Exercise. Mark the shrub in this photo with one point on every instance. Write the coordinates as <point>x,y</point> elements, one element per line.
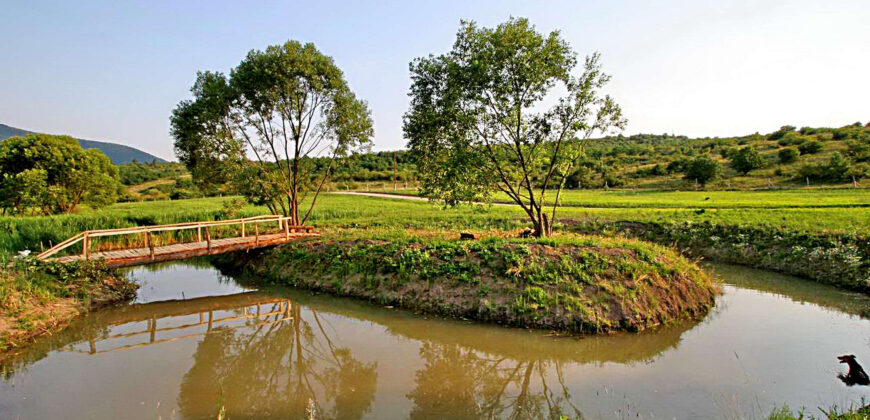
<point>776,135</point>
<point>810,147</point>
<point>838,168</point>
<point>788,155</point>
<point>747,159</point>
<point>703,169</point>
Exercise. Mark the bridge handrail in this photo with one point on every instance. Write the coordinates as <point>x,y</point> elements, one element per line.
<point>86,235</point>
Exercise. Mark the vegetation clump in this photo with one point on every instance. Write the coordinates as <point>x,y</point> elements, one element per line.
<point>581,285</point>
<point>45,174</point>
<point>37,298</point>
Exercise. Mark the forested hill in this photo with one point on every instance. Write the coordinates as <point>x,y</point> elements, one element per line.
<point>118,153</point>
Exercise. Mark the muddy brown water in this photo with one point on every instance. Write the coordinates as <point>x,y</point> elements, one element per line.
<point>197,344</point>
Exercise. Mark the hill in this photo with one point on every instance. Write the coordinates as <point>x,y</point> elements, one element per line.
<point>118,153</point>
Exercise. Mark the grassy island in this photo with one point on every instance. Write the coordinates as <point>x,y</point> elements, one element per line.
<point>577,284</point>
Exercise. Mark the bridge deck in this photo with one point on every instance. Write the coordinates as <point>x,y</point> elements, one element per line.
<point>136,256</point>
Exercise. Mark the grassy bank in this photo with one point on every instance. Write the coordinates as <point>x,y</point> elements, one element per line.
<point>38,298</point>
<point>581,284</point>
<point>782,233</point>
<point>839,259</point>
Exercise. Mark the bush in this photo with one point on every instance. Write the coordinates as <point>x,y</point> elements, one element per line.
<point>658,170</point>
<point>747,159</point>
<point>776,135</point>
<point>788,155</point>
<point>703,169</point>
<point>837,169</point>
<point>810,147</point>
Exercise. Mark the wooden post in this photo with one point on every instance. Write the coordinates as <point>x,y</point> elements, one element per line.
<point>150,244</point>
<point>86,245</point>
<point>286,230</point>
<point>208,239</point>
<point>243,228</point>
<point>256,234</point>
<point>153,328</point>
<point>198,233</point>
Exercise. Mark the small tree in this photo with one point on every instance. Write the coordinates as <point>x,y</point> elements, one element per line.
<point>477,124</point>
<point>54,174</point>
<point>747,159</point>
<point>788,155</point>
<point>810,147</point>
<point>261,127</point>
<point>703,169</point>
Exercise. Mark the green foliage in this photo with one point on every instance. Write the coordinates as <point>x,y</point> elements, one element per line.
<point>137,173</point>
<point>574,284</point>
<point>474,125</point>
<point>838,168</point>
<point>782,132</point>
<point>810,147</point>
<point>53,174</point>
<point>747,159</point>
<point>703,169</point>
<point>788,155</point>
<point>257,128</point>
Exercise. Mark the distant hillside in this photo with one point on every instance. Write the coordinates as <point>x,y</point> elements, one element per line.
<point>118,153</point>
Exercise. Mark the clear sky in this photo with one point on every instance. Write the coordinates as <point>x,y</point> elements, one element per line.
<point>114,70</point>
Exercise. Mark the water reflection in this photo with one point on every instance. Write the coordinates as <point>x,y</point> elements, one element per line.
<point>456,382</point>
<point>290,368</point>
<point>287,354</point>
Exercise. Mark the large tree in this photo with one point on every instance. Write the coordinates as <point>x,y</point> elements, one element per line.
<point>260,127</point>
<point>505,110</point>
<point>51,174</point>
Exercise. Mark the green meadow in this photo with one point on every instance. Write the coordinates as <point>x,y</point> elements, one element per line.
<point>837,211</point>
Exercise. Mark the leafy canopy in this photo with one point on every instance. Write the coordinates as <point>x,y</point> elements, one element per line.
<point>504,110</point>
<point>259,128</point>
<point>52,174</point>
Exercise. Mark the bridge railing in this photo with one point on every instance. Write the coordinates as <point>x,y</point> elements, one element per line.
<point>203,232</point>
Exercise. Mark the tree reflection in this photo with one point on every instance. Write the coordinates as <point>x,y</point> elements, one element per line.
<point>459,383</point>
<point>285,366</point>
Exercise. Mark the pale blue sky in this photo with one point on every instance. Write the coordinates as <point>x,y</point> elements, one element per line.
<point>114,70</point>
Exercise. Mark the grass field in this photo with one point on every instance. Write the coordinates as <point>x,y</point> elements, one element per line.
<point>782,210</point>
<point>619,198</point>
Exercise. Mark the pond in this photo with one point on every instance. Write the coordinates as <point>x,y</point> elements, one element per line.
<point>198,344</point>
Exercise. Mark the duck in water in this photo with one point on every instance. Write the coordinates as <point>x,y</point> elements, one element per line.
<point>856,374</point>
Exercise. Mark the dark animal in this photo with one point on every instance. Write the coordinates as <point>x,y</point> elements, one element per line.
<point>700,211</point>
<point>706,199</point>
<point>468,236</point>
<point>526,233</point>
<point>856,374</point>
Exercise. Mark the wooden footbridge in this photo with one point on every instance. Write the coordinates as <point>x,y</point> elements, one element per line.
<point>146,244</point>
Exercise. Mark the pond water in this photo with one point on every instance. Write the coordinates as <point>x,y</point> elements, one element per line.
<point>219,347</point>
